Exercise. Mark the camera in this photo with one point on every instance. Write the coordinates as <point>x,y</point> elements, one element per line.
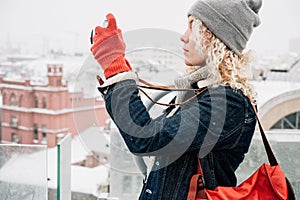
<point>104,25</point>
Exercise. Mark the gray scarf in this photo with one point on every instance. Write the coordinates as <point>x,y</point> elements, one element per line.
<point>201,76</point>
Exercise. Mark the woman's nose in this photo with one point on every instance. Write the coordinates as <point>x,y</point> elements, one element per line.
<point>184,38</point>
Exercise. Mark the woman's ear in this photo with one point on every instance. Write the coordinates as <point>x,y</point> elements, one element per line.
<point>207,34</point>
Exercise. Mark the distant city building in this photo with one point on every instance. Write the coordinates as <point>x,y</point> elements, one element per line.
<point>279,93</point>
<point>126,180</point>
<point>43,113</point>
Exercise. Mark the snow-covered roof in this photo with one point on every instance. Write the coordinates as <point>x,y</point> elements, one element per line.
<point>87,180</point>
<point>281,135</point>
<point>70,64</point>
<point>24,168</point>
<point>37,69</point>
<point>83,179</point>
<point>270,89</point>
<point>92,139</point>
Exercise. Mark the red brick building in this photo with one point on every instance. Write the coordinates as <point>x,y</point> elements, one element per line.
<point>42,114</point>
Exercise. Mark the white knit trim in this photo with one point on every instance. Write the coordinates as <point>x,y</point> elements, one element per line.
<point>120,77</point>
<point>206,82</point>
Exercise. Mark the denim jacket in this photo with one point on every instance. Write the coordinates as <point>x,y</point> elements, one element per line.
<point>216,126</point>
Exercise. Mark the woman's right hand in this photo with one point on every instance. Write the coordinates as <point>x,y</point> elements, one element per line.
<point>109,48</point>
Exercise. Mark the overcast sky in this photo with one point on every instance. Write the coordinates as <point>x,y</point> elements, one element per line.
<point>66,24</point>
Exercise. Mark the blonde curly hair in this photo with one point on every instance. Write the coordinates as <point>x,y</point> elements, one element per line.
<point>226,67</point>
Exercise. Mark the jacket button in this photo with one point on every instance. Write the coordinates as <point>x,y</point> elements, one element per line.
<point>157,163</point>
<point>149,191</point>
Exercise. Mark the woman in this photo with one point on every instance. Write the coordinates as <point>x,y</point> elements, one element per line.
<point>214,120</point>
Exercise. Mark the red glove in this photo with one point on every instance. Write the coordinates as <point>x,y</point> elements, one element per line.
<point>109,48</point>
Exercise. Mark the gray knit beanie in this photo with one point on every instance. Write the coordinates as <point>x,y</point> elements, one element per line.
<point>232,21</point>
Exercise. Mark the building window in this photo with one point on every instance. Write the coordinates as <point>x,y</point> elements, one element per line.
<point>44,103</point>
<point>44,134</point>
<point>4,98</point>
<point>14,121</point>
<point>35,132</point>
<point>36,103</point>
<point>291,121</point>
<point>103,188</point>
<point>127,184</point>
<point>138,182</point>
<point>14,138</point>
<point>13,100</point>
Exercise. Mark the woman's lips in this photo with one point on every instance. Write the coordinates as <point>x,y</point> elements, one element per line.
<point>185,51</point>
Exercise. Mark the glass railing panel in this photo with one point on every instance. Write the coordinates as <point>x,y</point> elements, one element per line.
<point>23,172</point>
<point>64,168</point>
